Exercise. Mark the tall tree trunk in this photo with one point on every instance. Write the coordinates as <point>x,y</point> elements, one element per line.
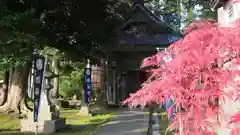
<point>4,89</point>
<point>10,77</point>
<point>190,14</point>
<point>6,79</point>
<point>17,92</point>
<point>55,90</point>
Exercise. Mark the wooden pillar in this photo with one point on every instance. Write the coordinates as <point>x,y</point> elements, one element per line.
<point>101,68</point>
<point>114,86</point>
<point>107,77</point>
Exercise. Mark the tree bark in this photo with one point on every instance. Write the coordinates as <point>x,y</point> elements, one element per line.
<point>4,89</point>
<point>10,77</point>
<point>17,92</point>
<point>55,90</point>
<point>6,80</point>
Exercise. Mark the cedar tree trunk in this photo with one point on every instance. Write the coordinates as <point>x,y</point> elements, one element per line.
<point>55,90</point>
<point>17,92</point>
<point>4,89</point>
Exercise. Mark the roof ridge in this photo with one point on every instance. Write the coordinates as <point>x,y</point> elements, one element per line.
<point>154,16</point>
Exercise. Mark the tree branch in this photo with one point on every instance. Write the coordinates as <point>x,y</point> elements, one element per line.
<point>53,76</point>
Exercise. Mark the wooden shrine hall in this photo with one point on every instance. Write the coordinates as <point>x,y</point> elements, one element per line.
<point>139,37</point>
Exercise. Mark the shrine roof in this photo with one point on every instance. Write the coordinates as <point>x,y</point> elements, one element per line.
<point>145,28</point>
<point>149,14</point>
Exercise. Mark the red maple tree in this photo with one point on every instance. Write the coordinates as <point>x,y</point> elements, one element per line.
<point>203,63</point>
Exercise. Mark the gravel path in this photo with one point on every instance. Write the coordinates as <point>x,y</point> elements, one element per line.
<point>127,122</point>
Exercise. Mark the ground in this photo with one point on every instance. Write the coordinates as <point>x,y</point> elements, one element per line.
<point>127,122</point>
<point>77,125</point>
<point>122,121</point>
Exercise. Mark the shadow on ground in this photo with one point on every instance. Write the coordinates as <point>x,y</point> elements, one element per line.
<point>86,129</point>
<point>127,122</point>
<point>76,125</point>
<point>123,122</point>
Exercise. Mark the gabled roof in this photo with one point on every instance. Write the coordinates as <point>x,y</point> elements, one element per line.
<point>156,31</point>
<point>148,13</point>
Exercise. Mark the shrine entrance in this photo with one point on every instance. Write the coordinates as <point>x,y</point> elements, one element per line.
<point>124,74</point>
<point>143,34</point>
<point>123,83</point>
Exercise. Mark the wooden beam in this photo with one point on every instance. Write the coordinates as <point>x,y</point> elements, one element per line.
<point>129,48</point>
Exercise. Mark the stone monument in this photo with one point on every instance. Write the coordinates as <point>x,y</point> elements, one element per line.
<point>74,102</point>
<point>48,118</point>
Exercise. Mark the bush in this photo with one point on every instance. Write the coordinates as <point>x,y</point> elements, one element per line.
<point>71,84</point>
<point>68,93</point>
<point>67,88</point>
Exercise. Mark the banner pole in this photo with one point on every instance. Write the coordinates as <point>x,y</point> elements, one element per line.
<point>40,63</point>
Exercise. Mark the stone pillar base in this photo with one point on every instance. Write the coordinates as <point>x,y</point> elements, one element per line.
<point>46,126</point>
<point>84,111</point>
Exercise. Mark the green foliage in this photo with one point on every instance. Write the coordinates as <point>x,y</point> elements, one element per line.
<point>1,74</point>
<point>180,13</point>
<point>17,45</point>
<point>70,72</point>
<point>52,52</point>
<point>72,26</point>
<point>71,84</point>
<point>79,27</point>
<point>78,125</point>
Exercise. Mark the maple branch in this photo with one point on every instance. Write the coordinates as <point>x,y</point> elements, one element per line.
<point>228,60</point>
<point>220,65</point>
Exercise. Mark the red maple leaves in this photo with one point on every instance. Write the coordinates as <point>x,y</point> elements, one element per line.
<point>203,63</point>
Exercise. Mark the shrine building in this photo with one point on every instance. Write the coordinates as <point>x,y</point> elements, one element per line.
<point>144,33</point>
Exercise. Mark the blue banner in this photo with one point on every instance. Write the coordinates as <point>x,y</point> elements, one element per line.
<point>39,67</point>
<point>167,105</point>
<point>87,84</point>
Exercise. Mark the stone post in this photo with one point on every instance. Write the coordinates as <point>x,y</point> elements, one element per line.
<point>48,118</point>
<point>84,106</point>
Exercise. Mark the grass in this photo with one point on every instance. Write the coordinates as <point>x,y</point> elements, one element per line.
<point>76,125</point>
<point>163,122</point>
